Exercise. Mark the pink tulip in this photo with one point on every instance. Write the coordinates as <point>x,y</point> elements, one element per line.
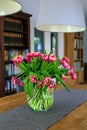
<point>33,79</point>
<point>71,70</point>
<point>52,85</point>
<point>52,58</point>
<point>39,83</point>
<point>47,81</point>
<point>65,65</point>
<point>15,80</point>
<point>36,54</point>
<point>18,59</point>
<point>15,64</point>
<point>21,83</point>
<point>73,75</point>
<point>32,55</point>
<point>45,57</point>
<point>64,78</point>
<point>28,59</point>
<point>66,59</point>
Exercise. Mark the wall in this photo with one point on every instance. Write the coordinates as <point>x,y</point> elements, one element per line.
<point>61,45</point>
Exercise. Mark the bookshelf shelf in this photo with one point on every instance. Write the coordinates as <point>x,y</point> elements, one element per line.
<point>14,31</point>
<point>78,60</point>
<point>8,47</point>
<point>78,52</point>
<point>78,37</point>
<point>9,76</point>
<point>8,61</point>
<point>10,92</point>
<point>78,48</point>
<point>14,40</point>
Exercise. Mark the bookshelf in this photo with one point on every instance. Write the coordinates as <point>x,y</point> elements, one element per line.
<point>74,49</point>
<point>78,51</point>
<point>14,40</point>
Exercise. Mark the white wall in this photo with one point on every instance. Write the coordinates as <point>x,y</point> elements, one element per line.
<point>47,41</point>
<point>61,45</point>
<point>32,25</point>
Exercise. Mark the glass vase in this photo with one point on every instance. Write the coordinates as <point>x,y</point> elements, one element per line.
<point>41,100</point>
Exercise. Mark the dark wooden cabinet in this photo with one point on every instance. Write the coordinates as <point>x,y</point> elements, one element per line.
<point>14,39</point>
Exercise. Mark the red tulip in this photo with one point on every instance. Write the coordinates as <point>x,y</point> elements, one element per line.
<point>52,58</point>
<point>33,79</point>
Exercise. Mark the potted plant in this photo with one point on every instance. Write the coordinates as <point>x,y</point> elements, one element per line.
<point>41,74</point>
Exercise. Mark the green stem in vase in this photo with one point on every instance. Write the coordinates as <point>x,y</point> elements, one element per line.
<point>41,100</point>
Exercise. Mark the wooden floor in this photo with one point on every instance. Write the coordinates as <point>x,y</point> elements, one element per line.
<point>76,120</point>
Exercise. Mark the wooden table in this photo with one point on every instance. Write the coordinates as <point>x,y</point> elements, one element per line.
<point>76,120</point>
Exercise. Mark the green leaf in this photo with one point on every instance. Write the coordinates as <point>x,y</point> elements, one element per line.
<point>33,65</point>
<point>63,71</point>
<point>38,63</point>
<point>26,79</point>
<point>62,82</point>
<point>27,65</point>
<point>44,52</point>
<point>44,64</point>
<point>44,73</point>
<point>51,68</point>
<point>28,87</point>
<point>49,65</point>
<point>22,67</point>
<point>40,76</point>
<point>22,74</point>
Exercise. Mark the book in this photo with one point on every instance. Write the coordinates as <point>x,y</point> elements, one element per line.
<point>5,55</point>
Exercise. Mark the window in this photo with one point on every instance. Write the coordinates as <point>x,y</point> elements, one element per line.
<point>38,40</point>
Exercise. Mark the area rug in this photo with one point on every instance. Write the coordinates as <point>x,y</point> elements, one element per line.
<point>23,118</point>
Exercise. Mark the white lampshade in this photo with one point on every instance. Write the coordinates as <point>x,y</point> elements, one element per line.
<point>61,16</point>
<point>8,7</point>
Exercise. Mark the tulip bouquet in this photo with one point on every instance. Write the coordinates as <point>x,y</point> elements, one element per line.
<point>41,73</point>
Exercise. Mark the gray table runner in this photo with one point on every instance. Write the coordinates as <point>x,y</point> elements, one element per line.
<point>23,118</point>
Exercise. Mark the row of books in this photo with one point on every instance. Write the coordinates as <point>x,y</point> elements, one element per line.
<point>9,54</point>
<point>13,23</point>
<point>10,87</point>
<point>78,43</point>
<point>77,66</point>
<point>78,34</point>
<point>10,70</point>
<point>13,39</point>
<point>78,54</point>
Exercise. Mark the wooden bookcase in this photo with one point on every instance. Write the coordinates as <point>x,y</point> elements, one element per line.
<point>78,51</point>
<point>14,40</point>
<point>74,49</point>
